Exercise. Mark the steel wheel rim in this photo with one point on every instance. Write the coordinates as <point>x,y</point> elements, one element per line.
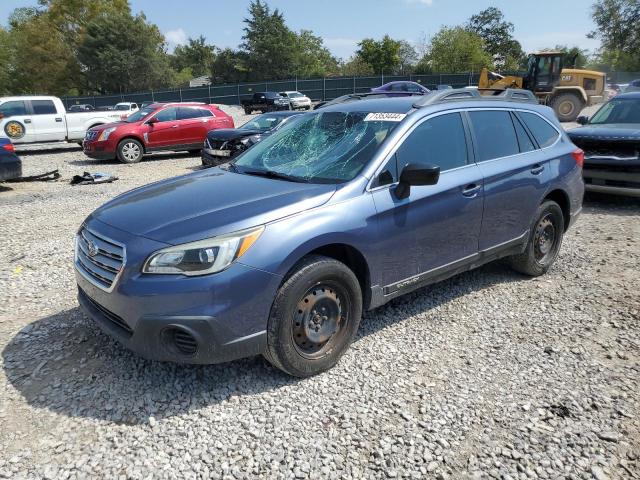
<point>130,151</point>
<point>320,319</point>
<point>566,108</point>
<point>545,238</point>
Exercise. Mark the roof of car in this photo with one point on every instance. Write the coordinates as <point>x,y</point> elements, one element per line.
<point>628,95</point>
<point>386,105</point>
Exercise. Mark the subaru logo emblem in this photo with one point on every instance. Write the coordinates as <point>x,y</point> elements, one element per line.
<point>92,248</point>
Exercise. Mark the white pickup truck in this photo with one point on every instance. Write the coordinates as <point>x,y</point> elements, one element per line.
<point>38,119</point>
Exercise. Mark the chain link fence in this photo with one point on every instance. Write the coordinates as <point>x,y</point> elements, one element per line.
<point>318,89</point>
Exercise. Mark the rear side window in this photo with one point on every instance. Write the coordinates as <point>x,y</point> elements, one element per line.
<point>544,133</point>
<point>187,113</point>
<point>17,107</point>
<point>438,141</point>
<point>526,145</point>
<point>495,134</point>
<point>43,107</point>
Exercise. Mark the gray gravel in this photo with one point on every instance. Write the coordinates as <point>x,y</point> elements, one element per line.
<point>486,375</point>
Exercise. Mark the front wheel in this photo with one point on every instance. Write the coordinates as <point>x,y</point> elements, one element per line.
<point>314,317</point>
<point>130,151</point>
<point>544,242</point>
<point>567,106</point>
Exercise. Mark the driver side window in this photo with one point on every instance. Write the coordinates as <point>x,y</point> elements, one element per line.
<point>166,115</point>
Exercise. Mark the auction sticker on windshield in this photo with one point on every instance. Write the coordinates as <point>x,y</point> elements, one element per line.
<point>384,117</point>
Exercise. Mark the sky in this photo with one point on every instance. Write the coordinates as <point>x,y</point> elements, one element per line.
<point>343,23</point>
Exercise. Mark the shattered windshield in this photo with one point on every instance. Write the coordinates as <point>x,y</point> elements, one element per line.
<point>262,122</point>
<point>326,147</point>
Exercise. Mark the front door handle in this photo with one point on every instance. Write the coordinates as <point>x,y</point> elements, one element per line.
<point>27,120</point>
<point>537,169</point>
<point>471,190</point>
<point>58,119</point>
<point>174,126</point>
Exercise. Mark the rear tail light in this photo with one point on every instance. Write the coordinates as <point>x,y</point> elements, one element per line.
<point>9,147</point>
<point>578,156</point>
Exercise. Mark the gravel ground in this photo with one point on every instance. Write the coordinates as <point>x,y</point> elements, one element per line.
<point>486,375</point>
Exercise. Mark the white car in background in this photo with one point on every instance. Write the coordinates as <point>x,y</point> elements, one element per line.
<point>126,108</point>
<point>297,100</point>
<point>40,119</point>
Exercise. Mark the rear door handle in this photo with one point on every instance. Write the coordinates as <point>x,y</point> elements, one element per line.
<point>471,190</point>
<point>174,126</point>
<point>537,169</point>
<point>58,119</point>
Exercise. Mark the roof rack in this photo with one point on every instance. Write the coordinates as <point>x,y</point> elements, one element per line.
<point>507,95</point>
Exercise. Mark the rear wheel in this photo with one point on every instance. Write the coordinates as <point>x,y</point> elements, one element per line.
<point>130,151</point>
<point>567,106</point>
<point>544,242</point>
<point>314,317</point>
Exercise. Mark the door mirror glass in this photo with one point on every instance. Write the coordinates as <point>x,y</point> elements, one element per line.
<point>583,120</point>
<point>416,174</point>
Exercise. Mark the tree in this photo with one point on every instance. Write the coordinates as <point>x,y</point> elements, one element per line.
<point>617,27</point>
<point>196,55</point>
<point>6,62</point>
<point>230,66</point>
<point>356,66</point>
<point>455,49</point>
<point>408,57</point>
<point>312,59</point>
<point>41,60</point>
<point>122,53</point>
<point>497,35</point>
<point>382,56</point>
<point>267,42</point>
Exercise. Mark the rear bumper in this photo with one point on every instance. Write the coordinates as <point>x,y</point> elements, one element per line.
<point>10,169</point>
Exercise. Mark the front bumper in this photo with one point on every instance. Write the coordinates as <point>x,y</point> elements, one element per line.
<point>98,150</point>
<point>612,177</point>
<point>210,160</point>
<point>223,315</point>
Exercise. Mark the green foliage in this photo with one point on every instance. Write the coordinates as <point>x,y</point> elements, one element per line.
<point>382,56</point>
<point>580,55</point>
<point>312,59</point>
<point>6,62</point>
<point>196,56</point>
<point>497,34</point>
<point>121,53</point>
<point>230,66</point>
<point>617,27</point>
<point>455,50</point>
<point>356,66</point>
<point>408,57</point>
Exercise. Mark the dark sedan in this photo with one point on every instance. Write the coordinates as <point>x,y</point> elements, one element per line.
<point>10,164</point>
<point>401,88</point>
<point>611,142</point>
<point>226,143</point>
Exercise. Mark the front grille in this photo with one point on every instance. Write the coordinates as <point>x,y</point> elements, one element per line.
<point>110,316</point>
<point>99,259</point>
<point>609,149</point>
<point>91,135</point>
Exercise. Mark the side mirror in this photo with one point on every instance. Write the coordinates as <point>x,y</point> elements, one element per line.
<point>414,174</point>
<point>152,120</point>
<point>582,120</point>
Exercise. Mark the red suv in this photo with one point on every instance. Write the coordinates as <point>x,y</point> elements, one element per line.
<point>159,126</point>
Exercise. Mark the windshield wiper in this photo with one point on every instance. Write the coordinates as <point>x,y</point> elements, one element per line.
<point>273,174</point>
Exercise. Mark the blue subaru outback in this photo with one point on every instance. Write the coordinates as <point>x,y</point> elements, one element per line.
<point>343,209</point>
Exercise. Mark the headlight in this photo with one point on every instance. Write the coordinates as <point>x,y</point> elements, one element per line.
<point>105,134</point>
<point>248,141</point>
<point>204,256</point>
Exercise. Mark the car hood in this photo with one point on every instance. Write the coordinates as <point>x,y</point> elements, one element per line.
<point>208,203</point>
<point>232,133</point>
<point>609,132</point>
<point>104,126</point>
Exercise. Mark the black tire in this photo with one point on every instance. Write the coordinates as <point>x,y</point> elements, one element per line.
<point>130,150</point>
<point>300,340</point>
<point>195,152</point>
<point>567,106</point>
<point>247,111</point>
<point>545,240</point>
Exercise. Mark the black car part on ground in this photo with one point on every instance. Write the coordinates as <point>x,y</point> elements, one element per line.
<point>41,177</point>
<point>88,178</point>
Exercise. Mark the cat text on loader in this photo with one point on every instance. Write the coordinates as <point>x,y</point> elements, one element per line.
<point>566,90</point>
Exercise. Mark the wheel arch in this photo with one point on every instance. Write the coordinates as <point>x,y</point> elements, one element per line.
<point>132,137</point>
<point>562,199</point>
<point>345,253</point>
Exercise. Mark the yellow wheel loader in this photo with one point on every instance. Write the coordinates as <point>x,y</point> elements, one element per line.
<point>566,90</point>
